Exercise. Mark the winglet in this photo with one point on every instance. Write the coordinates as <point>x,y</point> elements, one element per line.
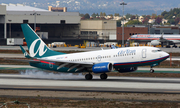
<point>113,47</point>
<point>25,52</point>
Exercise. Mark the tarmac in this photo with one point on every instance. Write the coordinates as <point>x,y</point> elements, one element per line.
<point>140,69</point>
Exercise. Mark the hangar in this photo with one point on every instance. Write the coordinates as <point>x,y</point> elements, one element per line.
<point>100,29</point>
<point>55,25</point>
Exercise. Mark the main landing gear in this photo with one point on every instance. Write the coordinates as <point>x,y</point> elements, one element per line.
<point>102,76</point>
<point>88,76</point>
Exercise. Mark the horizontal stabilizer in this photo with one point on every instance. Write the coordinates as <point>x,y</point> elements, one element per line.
<point>25,52</point>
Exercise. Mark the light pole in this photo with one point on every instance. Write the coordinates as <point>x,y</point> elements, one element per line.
<point>34,20</point>
<point>123,24</point>
<point>105,30</point>
<point>9,28</point>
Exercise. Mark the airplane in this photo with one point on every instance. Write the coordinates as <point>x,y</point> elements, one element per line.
<point>158,39</point>
<point>125,59</point>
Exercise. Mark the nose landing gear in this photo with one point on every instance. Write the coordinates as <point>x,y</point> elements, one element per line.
<point>152,70</point>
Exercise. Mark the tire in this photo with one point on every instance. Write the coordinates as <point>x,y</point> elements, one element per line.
<point>103,76</point>
<point>167,46</point>
<point>152,70</point>
<point>88,76</point>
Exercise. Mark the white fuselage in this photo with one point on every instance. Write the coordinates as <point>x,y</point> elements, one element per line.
<point>150,37</point>
<point>119,55</point>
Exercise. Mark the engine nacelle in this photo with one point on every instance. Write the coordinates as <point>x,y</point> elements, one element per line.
<point>130,69</point>
<point>102,67</point>
<point>155,42</point>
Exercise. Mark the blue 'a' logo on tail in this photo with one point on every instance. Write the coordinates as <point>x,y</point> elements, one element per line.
<point>37,48</point>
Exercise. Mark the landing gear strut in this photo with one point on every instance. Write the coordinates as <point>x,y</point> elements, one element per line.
<point>174,45</point>
<point>162,44</point>
<point>168,46</point>
<point>88,76</point>
<point>103,76</point>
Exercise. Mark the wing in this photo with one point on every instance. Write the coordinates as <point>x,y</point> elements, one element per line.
<point>162,39</point>
<point>175,41</point>
<point>170,41</point>
<point>80,66</point>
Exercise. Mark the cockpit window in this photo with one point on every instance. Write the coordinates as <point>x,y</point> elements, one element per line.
<point>156,50</point>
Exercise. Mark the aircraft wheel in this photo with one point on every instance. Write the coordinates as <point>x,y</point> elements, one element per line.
<point>152,70</point>
<point>88,76</point>
<point>103,76</point>
<point>167,46</point>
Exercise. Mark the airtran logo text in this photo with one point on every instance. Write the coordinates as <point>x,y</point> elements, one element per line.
<point>99,67</point>
<point>126,52</point>
<point>40,48</point>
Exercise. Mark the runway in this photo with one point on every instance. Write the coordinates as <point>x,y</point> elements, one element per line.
<point>140,69</point>
<point>78,83</point>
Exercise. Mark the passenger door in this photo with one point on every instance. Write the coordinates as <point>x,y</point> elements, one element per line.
<point>144,51</point>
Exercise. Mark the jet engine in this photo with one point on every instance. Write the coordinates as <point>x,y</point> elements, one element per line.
<point>102,67</point>
<point>155,42</point>
<point>130,69</point>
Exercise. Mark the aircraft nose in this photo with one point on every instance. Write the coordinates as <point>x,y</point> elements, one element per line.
<point>165,54</point>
